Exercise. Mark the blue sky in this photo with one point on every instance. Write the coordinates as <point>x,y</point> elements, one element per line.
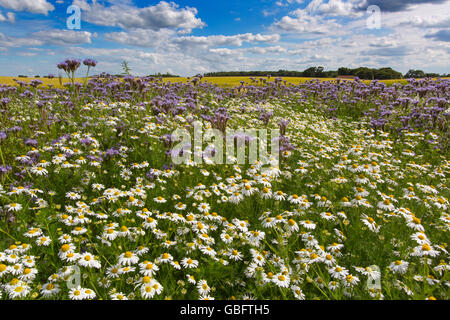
<point>197,36</point>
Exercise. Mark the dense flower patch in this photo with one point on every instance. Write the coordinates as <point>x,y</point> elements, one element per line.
<point>92,207</point>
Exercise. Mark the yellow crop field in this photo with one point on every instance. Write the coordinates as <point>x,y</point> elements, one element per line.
<point>221,81</point>
<point>54,82</point>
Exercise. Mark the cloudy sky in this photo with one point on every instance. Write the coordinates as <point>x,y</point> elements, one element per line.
<point>197,36</point>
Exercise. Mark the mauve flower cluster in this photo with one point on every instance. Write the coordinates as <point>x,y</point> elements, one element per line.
<point>417,106</point>
<point>69,65</point>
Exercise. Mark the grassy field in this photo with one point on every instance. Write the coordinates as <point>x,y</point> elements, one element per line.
<point>99,198</point>
<point>222,81</point>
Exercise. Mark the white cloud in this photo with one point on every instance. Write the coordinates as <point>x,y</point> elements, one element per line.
<point>222,51</point>
<point>160,16</point>
<point>7,41</point>
<point>141,37</point>
<point>427,21</point>
<point>27,54</point>
<point>303,22</point>
<point>221,40</point>
<point>10,17</point>
<point>266,50</point>
<point>64,37</point>
<point>33,6</point>
<point>333,8</point>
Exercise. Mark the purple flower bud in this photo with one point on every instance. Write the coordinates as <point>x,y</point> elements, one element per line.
<point>90,62</point>
<point>31,142</point>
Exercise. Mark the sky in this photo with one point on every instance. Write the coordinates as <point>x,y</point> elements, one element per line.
<point>198,36</point>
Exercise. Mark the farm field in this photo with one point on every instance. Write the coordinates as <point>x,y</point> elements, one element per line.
<point>221,81</point>
<point>350,201</point>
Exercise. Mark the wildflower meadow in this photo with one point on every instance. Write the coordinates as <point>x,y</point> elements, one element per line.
<point>345,195</point>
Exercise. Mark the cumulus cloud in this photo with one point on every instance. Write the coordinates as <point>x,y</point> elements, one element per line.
<point>333,8</point>
<point>8,41</point>
<point>354,8</point>
<point>384,42</point>
<point>427,21</point>
<point>266,50</point>
<point>63,37</point>
<point>222,51</point>
<point>160,16</point>
<point>300,21</point>
<point>33,6</point>
<point>141,37</point>
<point>10,17</point>
<point>395,5</point>
<point>221,40</point>
<point>388,51</point>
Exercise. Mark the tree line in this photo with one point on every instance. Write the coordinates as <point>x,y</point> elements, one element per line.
<point>319,72</point>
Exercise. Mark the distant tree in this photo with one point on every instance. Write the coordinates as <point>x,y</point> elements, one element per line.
<point>387,73</point>
<point>415,74</point>
<point>345,72</point>
<point>364,73</point>
<point>310,72</point>
<point>316,72</point>
<point>319,71</point>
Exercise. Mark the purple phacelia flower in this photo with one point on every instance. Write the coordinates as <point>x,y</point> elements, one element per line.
<point>90,62</point>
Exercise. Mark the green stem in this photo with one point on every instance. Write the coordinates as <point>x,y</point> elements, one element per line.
<point>1,230</point>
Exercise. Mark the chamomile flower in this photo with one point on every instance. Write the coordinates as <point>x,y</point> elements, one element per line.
<point>43,241</point>
<point>298,293</point>
<point>19,290</point>
<point>28,274</point>
<point>350,280</point>
<point>202,287</point>
<point>49,290</point>
<point>370,223</point>
<point>4,269</point>
<point>338,272</point>
<point>77,293</point>
<point>113,272</point>
<point>234,254</point>
<point>89,261</point>
<point>118,296</point>
<point>159,199</point>
<point>165,257</point>
<point>89,294</point>
<point>282,280</point>
<point>128,258</point>
<point>151,289</point>
<point>295,199</point>
<point>292,225</point>
<point>13,207</point>
<point>39,171</point>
